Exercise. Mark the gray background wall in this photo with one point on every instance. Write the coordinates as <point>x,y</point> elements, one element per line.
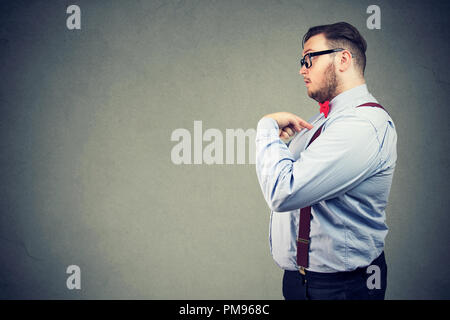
<point>87,115</point>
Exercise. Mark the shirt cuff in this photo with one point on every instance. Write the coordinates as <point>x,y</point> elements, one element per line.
<point>267,127</point>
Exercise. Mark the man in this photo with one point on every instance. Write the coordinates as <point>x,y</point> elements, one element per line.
<point>329,186</point>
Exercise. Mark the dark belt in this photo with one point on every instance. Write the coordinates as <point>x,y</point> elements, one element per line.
<point>343,274</point>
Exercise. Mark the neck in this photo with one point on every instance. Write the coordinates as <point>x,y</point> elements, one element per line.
<point>348,84</point>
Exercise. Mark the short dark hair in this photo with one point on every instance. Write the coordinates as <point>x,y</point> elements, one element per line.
<point>342,35</point>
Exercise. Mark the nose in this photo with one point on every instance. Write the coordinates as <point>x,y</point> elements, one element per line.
<point>302,70</point>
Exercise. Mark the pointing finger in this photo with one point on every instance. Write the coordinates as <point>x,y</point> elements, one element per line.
<point>304,123</point>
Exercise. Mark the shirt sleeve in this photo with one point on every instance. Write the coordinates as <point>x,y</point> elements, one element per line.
<point>344,155</point>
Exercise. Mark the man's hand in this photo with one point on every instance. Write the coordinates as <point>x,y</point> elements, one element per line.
<point>288,123</point>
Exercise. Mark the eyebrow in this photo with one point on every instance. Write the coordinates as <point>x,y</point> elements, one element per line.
<point>307,51</point>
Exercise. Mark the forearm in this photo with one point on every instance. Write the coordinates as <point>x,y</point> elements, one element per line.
<point>273,162</point>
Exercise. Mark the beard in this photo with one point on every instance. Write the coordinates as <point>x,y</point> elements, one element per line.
<point>328,90</point>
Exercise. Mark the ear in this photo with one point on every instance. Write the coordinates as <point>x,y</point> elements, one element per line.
<point>345,60</point>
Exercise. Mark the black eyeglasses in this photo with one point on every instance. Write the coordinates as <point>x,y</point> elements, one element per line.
<point>307,61</point>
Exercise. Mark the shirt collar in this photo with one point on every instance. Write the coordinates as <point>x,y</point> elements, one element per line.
<point>347,98</point>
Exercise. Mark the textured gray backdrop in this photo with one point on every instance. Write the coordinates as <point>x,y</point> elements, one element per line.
<point>87,115</point>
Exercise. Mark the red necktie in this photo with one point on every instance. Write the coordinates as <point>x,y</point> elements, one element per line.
<point>325,108</point>
<point>304,224</point>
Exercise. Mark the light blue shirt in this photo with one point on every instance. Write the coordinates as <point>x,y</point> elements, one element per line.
<point>345,175</point>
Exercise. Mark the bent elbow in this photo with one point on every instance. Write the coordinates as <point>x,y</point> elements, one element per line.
<point>279,205</point>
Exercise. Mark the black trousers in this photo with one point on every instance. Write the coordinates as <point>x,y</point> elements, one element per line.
<point>368,283</point>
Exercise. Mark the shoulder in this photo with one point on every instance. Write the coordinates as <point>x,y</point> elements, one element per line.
<point>378,117</point>
<point>361,123</point>
<point>349,125</point>
<point>374,115</point>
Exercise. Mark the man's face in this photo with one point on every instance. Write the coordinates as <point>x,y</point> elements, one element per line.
<point>320,78</point>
